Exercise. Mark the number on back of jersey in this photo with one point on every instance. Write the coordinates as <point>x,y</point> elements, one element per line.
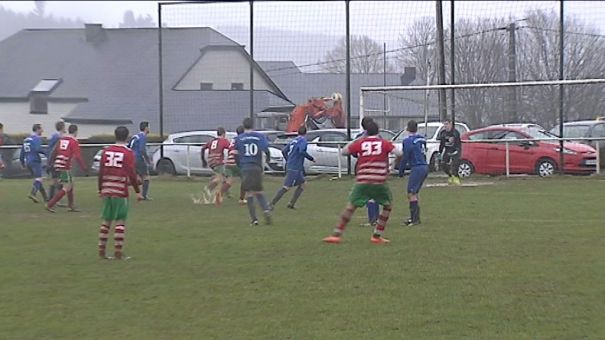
<point>371,148</point>
<point>114,159</point>
<point>251,150</point>
<point>63,144</point>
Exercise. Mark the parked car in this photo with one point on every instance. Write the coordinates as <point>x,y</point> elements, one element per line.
<point>96,160</point>
<point>525,157</point>
<point>431,131</point>
<point>271,134</point>
<point>13,167</point>
<point>323,146</point>
<point>585,129</point>
<point>175,155</point>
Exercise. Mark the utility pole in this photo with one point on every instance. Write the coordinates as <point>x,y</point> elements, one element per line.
<point>512,72</point>
<point>384,83</point>
<point>441,66</point>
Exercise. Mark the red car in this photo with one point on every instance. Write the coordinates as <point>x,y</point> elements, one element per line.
<point>525,157</point>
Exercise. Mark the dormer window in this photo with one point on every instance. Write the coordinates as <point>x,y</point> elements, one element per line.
<point>38,96</point>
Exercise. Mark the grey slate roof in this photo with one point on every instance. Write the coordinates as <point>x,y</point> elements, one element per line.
<point>299,87</point>
<point>118,75</point>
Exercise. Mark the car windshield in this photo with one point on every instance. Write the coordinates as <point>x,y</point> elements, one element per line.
<point>285,138</point>
<point>536,132</point>
<point>574,131</point>
<point>429,133</point>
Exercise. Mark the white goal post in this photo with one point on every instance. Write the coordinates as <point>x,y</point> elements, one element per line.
<point>385,90</point>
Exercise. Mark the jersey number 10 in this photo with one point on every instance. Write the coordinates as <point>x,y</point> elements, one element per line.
<point>251,149</point>
<point>114,159</point>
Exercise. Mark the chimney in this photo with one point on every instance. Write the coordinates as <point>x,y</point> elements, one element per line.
<point>94,33</point>
<point>408,76</point>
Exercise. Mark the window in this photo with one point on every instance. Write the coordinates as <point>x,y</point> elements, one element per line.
<point>461,128</point>
<point>194,139</point>
<point>206,86</point>
<point>46,85</point>
<point>479,136</point>
<point>513,135</point>
<point>237,86</point>
<point>332,137</point>
<point>575,131</point>
<point>598,130</point>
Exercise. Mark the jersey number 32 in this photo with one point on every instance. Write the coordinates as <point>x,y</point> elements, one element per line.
<point>114,159</point>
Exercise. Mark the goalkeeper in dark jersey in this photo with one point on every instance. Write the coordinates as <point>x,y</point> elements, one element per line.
<point>450,150</point>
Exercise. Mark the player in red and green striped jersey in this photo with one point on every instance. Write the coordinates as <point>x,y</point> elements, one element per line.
<point>117,171</point>
<point>372,173</point>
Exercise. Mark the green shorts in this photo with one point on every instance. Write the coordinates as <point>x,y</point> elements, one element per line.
<point>64,177</point>
<point>362,193</point>
<point>219,170</point>
<point>232,171</point>
<point>114,209</point>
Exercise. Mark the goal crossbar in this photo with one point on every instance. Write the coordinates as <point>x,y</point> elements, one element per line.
<point>485,85</point>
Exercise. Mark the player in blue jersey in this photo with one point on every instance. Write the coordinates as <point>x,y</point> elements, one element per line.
<point>373,207</point>
<point>250,147</point>
<point>295,154</point>
<point>414,147</point>
<point>138,145</point>
<point>52,142</point>
<point>30,158</point>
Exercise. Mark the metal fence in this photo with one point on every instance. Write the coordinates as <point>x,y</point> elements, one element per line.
<point>186,160</point>
<point>222,61</point>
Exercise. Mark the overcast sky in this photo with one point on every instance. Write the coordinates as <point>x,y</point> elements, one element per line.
<point>383,21</point>
<point>110,12</point>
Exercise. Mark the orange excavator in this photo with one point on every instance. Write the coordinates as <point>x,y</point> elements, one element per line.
<point>318,113</point>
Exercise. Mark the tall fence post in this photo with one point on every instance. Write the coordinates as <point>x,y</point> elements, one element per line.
<point>339,162</point>
<point>507,160</point>
<point>598,147</point>
<point>188,161</point>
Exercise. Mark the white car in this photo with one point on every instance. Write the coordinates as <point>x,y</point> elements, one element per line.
<point>323,146</point>
<point>431,131</point>
<point>175,156</point>
<point>182,151</point>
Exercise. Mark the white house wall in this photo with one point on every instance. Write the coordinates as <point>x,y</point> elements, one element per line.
<point>222,68</point>
<point>17,119</point>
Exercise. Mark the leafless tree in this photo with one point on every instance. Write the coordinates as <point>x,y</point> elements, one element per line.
<point>130,21</point>
<point>366,57</point>
<point>538,59</point>
<point>417,48</point>
<point>40,7</point>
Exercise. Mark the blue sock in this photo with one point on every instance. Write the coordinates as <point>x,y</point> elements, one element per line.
<point>145,188</point>
<point>373,211</point>
<point>36,187</point>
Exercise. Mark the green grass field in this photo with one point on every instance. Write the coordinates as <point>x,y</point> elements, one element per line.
<point>520,259</point>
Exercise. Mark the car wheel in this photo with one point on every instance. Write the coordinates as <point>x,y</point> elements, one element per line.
<point>545,167</point>
<point>465,169</point>
<point>165,167</point>
<point>434,163</point>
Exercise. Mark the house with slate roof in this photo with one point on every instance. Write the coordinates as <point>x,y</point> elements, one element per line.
<point>99,78</point>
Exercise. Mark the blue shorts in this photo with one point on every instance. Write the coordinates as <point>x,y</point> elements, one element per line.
<point>294,178</point>
<point>35,169</point>
<point>417,177</point>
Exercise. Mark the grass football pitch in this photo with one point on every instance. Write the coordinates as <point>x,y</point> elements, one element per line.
<point>519,259</point>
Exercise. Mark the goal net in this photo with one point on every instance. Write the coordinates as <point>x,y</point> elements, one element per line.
<point>480,105</point>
